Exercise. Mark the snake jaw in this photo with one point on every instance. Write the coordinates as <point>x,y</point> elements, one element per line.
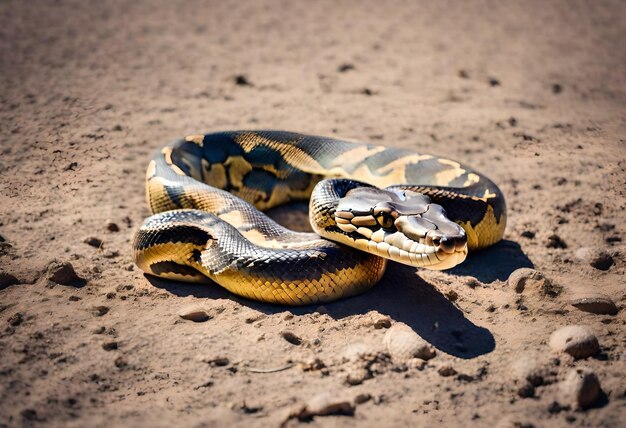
<point>402,226</point>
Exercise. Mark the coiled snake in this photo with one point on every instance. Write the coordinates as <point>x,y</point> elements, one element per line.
<point>206,192</point>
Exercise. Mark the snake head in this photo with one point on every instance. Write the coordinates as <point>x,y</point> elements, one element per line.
<point>403,226</point>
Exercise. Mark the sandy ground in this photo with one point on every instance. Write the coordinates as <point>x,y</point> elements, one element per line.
<point>532,93</point>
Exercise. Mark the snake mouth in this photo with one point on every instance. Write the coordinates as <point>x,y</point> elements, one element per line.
<point>405,227</point>
<point>430,252</point>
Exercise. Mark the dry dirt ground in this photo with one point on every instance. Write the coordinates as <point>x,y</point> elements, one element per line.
<point>532,93</point>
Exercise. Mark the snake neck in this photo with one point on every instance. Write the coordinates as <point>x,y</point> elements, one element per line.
<point>188,245</point>
<point>324,200</point>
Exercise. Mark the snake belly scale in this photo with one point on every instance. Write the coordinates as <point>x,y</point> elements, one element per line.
<point>367,204</point>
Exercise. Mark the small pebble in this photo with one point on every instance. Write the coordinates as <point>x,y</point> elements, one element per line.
<point>109,346</point>
<point>99,330</point>
<point>219,361</point>
<point>362,398</point>
<point>555,241</point>
<point>452,295</point>
<point>325,404</point>
<point>93,241</point>
<point>595,257</point>
<point>246,408</point>
<point>403,343</point>
<point>6,280</point>
<point>207,384</point>
<point>376,320</point>
<point>526,279</point>
<point>473,283</point>
<point>111,226</point>
<point>111,254</point>
<point>581,388</point>
<point>291,337</point>
<point>446,371</point>
<point>357,375</point>
<point>194,313</point>
<point>416,364</point>
<point>312,364</point>
<point>63,273</point>
<point>30,414</point>
<point>242,80</point>
<point>70,166</point>
<point>100,311</point>
<point>526,390</point>
<point>602,261</point>
<point>255,317</point>
<point>595,303</point>
<point>16,319</point>
<point>120,362</point>
<point>345,67</point>
<point>575,340</point>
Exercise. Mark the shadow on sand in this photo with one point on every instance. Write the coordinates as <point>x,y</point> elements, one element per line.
<point>401,294</point>
<point>495,263</point>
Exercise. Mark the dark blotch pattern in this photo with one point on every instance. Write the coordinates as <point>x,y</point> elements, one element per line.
<point>160,268</point>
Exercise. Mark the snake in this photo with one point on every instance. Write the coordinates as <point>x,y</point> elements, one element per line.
<point>368,205</point>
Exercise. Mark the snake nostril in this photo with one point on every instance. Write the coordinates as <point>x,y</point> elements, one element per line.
<point>450,244</point>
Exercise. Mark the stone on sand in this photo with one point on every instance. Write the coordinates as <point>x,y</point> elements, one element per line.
<point>327,404</point>
<point>575,340</point>
<point>581,388</point>
<point>596,303</point>
<point>111,226</point>
<point>63,273</point>
<point>6,280</point>
<point>403,344</point>
<point>291,337</point>
<point>100,310</point>
<point>93,241</point>
<point>195,313</point>
<point>446,371</point>
<point>595,257</point>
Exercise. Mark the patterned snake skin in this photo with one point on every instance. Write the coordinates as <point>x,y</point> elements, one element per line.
<point>206,192</point>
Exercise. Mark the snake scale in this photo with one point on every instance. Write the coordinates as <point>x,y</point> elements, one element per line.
<point>368,204</point>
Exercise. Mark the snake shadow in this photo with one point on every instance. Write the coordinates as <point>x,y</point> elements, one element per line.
<point>495,263</point>
<point>401,294</point>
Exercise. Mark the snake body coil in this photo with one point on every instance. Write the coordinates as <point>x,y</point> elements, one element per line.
<point>206,192</point>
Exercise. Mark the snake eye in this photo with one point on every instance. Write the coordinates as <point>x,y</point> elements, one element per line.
<point>385,220</point>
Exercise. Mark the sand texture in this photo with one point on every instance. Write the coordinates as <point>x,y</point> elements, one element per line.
<point>533,94</point>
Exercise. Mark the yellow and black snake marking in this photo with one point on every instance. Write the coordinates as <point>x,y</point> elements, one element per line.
<point>206,192</point>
